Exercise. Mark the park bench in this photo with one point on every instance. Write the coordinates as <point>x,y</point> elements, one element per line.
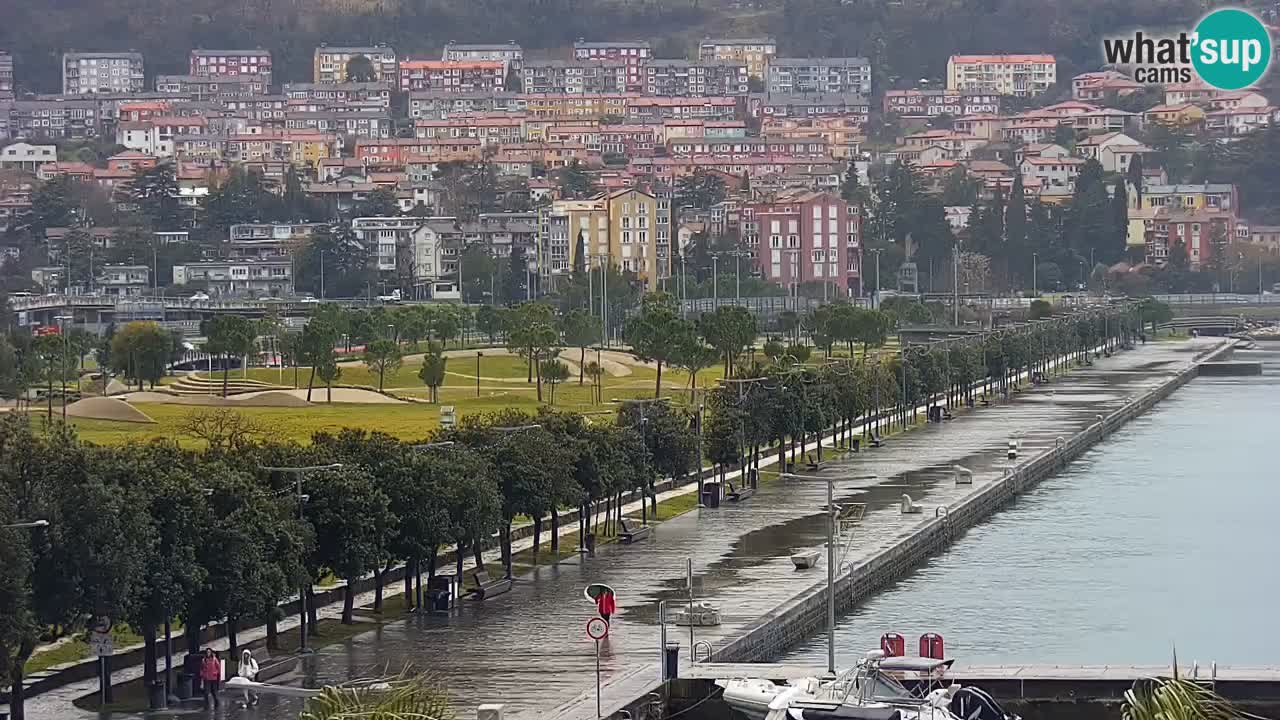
<point>631,533</point>
<point>736,494</point>
<point>876,441</point>
<point>486,588</point>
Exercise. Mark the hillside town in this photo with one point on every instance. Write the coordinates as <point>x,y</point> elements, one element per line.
<point>608,156</point>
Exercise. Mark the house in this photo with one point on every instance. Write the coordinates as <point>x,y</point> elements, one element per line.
<point>1237,99</point>
<point>1041,150</point>
<point>1208,196</point>
<point>1201,234</point>
<point>931,103</point>
<point>1179,115</point>
<point>102,72</point>
<point>239,278</point>
<point>981,125</point>
<point>1192,92</point>
<point>27,157</point>
<point>1106,120</point>
<point>1114,151</point>
<point>802,236</point>
<point>1239,120</point>
<point>232,63</point>
<point>1266,236</point>
<point>1043,172</point>
<point>329,64</point>
<point>123,280</point>
<point>755,52</point>
<point>1102,85</point>
<point>1016,75</point>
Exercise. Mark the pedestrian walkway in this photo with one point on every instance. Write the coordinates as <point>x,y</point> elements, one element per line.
<point>529,649</point>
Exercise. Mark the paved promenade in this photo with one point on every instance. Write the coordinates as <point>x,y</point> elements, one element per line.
<point>528,648</point>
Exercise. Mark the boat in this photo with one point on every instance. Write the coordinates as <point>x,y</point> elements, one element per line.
<point>805,559</point>
<point>872,690</point>
<point>699,614</point>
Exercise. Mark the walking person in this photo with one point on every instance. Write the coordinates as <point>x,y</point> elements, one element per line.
<point>606,605</point>
<point>249,671</point>
<point>211,676</point>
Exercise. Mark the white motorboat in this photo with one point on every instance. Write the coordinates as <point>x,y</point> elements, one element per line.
<point>700,614</point>
<point>870,691</point>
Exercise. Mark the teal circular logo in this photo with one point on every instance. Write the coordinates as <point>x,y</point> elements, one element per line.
<point>1230,49</point>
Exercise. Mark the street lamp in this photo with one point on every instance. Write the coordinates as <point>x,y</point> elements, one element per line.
<point>1034,269</point>
<point>298,473</point>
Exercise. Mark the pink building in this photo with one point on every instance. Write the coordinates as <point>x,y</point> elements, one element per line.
<point>635,54</point>
<point>803,236</point>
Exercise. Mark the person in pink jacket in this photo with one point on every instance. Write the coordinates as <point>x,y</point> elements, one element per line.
<point>211,676</point>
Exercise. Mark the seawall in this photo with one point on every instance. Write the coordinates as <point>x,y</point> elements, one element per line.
<point>803,615</point>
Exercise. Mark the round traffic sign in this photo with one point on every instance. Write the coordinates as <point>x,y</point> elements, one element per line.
<point>597,628</point>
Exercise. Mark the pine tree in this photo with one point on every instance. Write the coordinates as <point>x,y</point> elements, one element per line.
<point>1118,237</point>
<point>1015,215</point>
<point>1134,176</point>
<point>580,253</point>
<point>851,189</point>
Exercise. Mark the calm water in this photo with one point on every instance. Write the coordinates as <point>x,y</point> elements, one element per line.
<point>1165,534</point>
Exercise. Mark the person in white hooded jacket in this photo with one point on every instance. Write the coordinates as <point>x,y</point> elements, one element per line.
<point>248,670</point>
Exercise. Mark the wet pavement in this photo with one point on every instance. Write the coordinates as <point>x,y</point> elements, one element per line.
<point>529,650</point>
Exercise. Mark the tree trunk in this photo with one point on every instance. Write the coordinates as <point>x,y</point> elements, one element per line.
<point>329,390</point>
<point>477,552</point>
<point>408,584</point>
<point>17,693</point>
<point>311,381</point>
<point>378,574</point>
<point>537,537</point>
<point>226,370</point>
<point>432,559</point>
<point>506,547</point>
<point>348,603</point>
<point>782,453</point>
<point>233,645</point>
<point>582,364</point>
<point>555,532</point>
<point>657,388</point>
<point>458,556</point>
<point>150,653</point>
<point>537,373</point>
<point>273,632</point>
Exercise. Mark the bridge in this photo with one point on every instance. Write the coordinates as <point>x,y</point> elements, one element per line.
<point>1214,324</point>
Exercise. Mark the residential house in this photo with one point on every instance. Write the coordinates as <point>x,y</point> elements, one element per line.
<point>102,72</point>
<point>374,124</point>
<point>232,63</point>
<point>212,87</point>
<point>455,76</point>
<point>755,52</point>
<point>1215,197</point>
<point>703,78</point>
<point>388,240</point>
<point>1102,85</point>
<point>1192,92</point>
<point>1266,236</point>
<point>657,109</point>
<point>1105,120</point>
<point>498,129</point>
<point>239,277</point>
<point>597,75</point>
<point>509,53</point>
<point>931,103</point>
<point>819,75</point>
<point>801,236</point>
<point>1043,172</point>
<point>1016,75</point>
<point>6,75</point>
<point>981,125</point>
<point>333,95</point>
<point>1239,120</point>
<point>1201,234</point>
<point>116,280</point>
<point>26,157</point>
<point>1114,151</point>
<point>441,104</point>
<point>329,64</point>
<point>852,106</point>
<point>1238,99</point>
<point>634,54</point>
<point>266,241</point>
<point>1182,115</point>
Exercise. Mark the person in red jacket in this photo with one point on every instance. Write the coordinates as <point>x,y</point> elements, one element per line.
<point>211,675</point>
<point>606,605</point>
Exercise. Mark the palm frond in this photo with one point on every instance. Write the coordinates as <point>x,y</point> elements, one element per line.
<point>1178,699</point>
<point>406,696</point>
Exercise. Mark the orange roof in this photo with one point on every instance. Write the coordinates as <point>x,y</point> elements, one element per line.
<point>145,105</point>
<point>984,59</point>
<point>451,65</point>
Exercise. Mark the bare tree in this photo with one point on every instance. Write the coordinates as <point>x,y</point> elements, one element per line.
<point>223,428</point>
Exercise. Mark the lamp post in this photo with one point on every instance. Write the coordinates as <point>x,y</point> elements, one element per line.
<point>875,291</point>
<point>62,330</point>
<point>298,473</point>
<point>715,281</point>
<point>1035,262</point>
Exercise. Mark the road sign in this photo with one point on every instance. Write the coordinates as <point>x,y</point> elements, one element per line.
<point>597,628</point>
<point>101,644</point>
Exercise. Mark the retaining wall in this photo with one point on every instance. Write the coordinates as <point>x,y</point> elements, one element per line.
<point>802,616</point>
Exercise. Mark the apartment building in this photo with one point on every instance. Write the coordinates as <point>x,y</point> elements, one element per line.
<point>207,88</point>
<point>456,76</point>
<point>819,75</point>
<point>574,76</point>
<point>50,119</point>
<point>500,129</point>
<point>703,78</point>
<point>387,239</point>
<point>1217,197</point>
<point>329,64</point>
<point>89,73</point>
<point>116,280</point>
<point>802,236</point>
<point>634,54</point>
<point>264,241</point>
<point>239,278</point>
<point>767,106</point>
<point>6,75</point>
<point>509,54</point>
<point>299,147</point>
<point>755,52</point>
<point>1016,75</point>
<point>376,124</point>
<point>657,109</point>
<point>232,63</point>
<point>367,94</point>
<point>929,103</point>
<point>440,104</point>
<point>635,236</point>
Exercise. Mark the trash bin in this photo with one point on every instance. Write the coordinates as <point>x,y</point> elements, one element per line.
<point>182,686</point>
<point>191,668</point>
<point>856,444</point>
<point>156,698</point>
<point>440,593</point>
<point>711,494</point>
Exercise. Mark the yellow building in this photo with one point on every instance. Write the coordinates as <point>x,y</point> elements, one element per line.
<point>1207,196</point>
<point>1017,75</point>
<point>755,53</point>
<point>329,64</point>
<point>624,229</point>
<point>1181,115</point>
